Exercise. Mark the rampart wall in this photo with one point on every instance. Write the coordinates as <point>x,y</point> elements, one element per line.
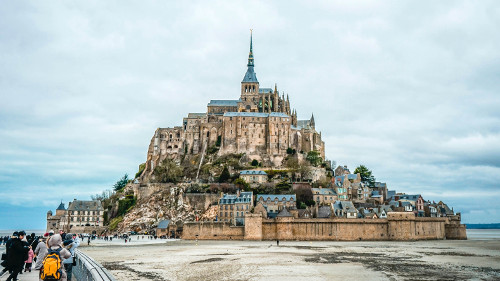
<point>398,226</point>
<point>212,231</point>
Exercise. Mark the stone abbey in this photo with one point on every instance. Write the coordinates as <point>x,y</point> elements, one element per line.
<point>261,124</point>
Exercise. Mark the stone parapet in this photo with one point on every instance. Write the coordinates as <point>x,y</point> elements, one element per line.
<point>398,226</point>
<point>456,231</point>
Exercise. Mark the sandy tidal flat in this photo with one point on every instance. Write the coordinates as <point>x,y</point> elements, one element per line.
<point>263,260</point>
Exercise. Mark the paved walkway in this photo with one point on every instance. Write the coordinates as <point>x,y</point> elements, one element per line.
<point>26,276</point>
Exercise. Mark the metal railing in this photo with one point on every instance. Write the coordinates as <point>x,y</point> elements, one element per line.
<point>87,269</point>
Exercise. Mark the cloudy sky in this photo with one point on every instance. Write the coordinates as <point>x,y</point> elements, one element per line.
<point>410,89</point>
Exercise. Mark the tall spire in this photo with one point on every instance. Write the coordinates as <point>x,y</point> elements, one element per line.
<point>250,55</point>
<point>250,75</point>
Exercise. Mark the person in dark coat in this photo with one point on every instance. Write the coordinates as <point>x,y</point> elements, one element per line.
<point>5,263</point>
<point>16,255</point>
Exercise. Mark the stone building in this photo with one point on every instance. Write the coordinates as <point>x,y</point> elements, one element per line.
<point>59,220</point>
<point>348,185</point>
<point>279,200</point>
<point>166,229</point>
<point>324,196</point>
<point>253,176</point>
<point>260,123</point>
<point>232,207</point>
<point>85,213</point>
<point>80,216</point>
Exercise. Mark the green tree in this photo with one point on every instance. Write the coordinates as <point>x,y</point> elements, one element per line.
<point>366,175</point>
<point>121,183</point>
<point>218,142</point>
<point>168,171</point>
<point>241,184</point>
<point>225,175</point>
<point>283,185</point>
<point>141,169</point>
<point>255,163</point>
<point>314,158</point>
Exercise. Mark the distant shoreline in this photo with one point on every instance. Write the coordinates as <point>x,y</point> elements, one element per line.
<point>483,225</point>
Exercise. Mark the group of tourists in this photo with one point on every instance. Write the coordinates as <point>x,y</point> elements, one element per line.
<point>53,255</point>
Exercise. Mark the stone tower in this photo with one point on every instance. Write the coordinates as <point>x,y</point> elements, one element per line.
<point>250,86</point>
<point>61,210</point>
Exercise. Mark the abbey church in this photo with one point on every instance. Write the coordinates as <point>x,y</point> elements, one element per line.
<point>260,123</point>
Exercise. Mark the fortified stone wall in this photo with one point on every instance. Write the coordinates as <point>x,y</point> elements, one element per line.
<point>398,226</point>
<point>212,231</point>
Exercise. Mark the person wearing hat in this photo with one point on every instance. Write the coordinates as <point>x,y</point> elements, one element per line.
<point>41,252</point>
<point>17,255</point>
<point>55,242</point>
<point>71,243</point>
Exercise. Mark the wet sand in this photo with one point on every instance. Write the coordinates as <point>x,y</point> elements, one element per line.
<point>263,260</point>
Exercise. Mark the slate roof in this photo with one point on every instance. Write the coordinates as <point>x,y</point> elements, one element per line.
<point>223,103</point>
<point>306,124</point>
<point>379,211</point>
<point>380,184</point>
<point>196,115</point>
<point>347,206</point>
<point>323,191</point>
<point>265,90</point>
<point>284,213</point>
<point>394,203</point>
<point>405,203</point>
<point>80,205</point>
<point>278,114</point>
<point>255,114</point>
<point>280,197</point>
<point>245,197</point>
<point>163,224</point>
<point>253,172</point>
<point>413,197</point>
<point>61,207</point>
<point>246,114</point>
<point>304,213</point>
<point>324,212</point>
<point>250,76</point>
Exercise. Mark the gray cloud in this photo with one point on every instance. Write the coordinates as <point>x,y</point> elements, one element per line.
<point>408,89</point>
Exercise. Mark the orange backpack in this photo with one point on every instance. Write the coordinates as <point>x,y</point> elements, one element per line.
<point>51,267</point>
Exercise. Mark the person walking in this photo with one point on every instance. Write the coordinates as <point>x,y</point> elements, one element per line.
<point>41,252</point>
<point>5,263</point>
<point>56,243</point>
<point>29,261</point>
<point>16,255</point>
<point>68,263</point>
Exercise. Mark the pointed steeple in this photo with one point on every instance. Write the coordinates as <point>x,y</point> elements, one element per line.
<point>250,55</point>
<point>312,121</point>
<point>275,88</point>
<point>250,75</point>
